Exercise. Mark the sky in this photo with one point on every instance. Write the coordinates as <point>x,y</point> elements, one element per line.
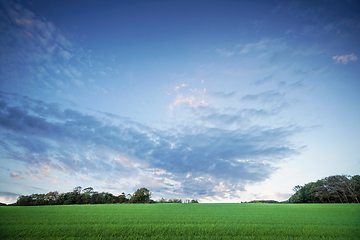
<point>220,101</point>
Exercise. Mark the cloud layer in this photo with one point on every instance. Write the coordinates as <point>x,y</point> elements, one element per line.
<point>197,160</point>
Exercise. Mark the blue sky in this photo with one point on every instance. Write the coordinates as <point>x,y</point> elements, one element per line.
<point>222,101</point>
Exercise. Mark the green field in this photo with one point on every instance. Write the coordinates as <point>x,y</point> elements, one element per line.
<point>182,221</point>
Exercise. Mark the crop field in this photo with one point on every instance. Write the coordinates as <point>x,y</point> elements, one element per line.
<point>182,221</point>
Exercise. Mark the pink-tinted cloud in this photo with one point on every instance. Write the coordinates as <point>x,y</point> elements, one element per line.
<point>45,171</point>
<point>124,184</point>
<point>126,162</point>
<point>14,175</point>
<point>194,101</point>
<point>111,183</point>
<point>190,100</point>
<point>344,59</point>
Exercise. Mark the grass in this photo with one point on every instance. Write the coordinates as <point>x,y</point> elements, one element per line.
<point>182,221</point>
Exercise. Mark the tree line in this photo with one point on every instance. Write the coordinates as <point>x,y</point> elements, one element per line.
<point>175,200</point>
<point>332,189</point>
<point>87,196</point>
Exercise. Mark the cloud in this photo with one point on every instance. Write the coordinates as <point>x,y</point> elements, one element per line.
<point>343,27</point>
<point>267,48</point>
<point>31,46</point>
<point>233,119</point>
<point>223,52</point>
<point>181,99</point>
<point>78,83</point>
<point>30,39</point>
<point>321,21</point>
<point>65,54</point>
<point>38,55</point>
<point>268,96</point>
<point>264,80</point>
<point>9,194</point>
<point>257,46</point>
<point>14,175</point>
<point>344,59</point>
<point>222,95</point>
<point>307,73</point>
<point>193,100</point>
<point>265,44</point>
<point>198,160</point>
<point>8,197</point>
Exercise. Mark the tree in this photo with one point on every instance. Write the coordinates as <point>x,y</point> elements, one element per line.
<point>332,189</point>
<point>38,199</point>
<point>122,198</point>
<point>86,195</point>
<point>337,188</point>
<point>355,181</point>
<point>77,189</point>
<point>61,199</point>
<point>88,190</point>
<point>95,198</point>
<point>322,192</point>
<point>297,188</point>
<point>51,197</point>
<point>352,185</point>
<point>141,195</point>
<point>162,200</point>
<point>24,200</point>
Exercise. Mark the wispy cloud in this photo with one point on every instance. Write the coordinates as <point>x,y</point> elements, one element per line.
<point>9,194</point>
<point>256,46</point>
<point>263,80</point>
<point>318,22</point>
<point>224,53</point>
<point>35,52</point>
<point>307,73</point>
<point>265,48</point>
<point>230,118</point>
<point>265,44</point>
<point>344,59</point>
<point>268,96</point>
<point>222,95</point>
<point>30,41</point>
